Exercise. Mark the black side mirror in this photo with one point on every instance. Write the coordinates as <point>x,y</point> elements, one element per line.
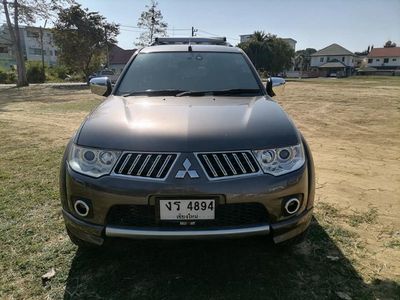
<point>268,86</point>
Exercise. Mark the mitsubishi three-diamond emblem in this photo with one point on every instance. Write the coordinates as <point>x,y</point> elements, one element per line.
<point>182,173</point>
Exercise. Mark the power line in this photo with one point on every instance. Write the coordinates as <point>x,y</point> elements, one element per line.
<point>213,34</point>
<point>169,29</point>
<point>138,31</point>
<point>192,30</point>
<point>218,35</point>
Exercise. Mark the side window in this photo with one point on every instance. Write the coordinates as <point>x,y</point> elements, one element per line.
<point>321,59</point>
<point>370,60</point>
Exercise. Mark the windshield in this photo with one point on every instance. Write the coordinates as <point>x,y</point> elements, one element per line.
<point>191,72</point>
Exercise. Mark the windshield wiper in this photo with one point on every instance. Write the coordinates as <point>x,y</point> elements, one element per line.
<point>166,92</point>
<point>229,92</point>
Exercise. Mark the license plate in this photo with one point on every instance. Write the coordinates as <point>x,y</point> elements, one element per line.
<point>181,210</point>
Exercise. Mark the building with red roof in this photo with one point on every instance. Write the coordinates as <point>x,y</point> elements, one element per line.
<point>384,58</point>
<point>118,58</point>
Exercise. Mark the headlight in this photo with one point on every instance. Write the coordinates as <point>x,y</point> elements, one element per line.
<point>280,161</point>
<point>92,162</point>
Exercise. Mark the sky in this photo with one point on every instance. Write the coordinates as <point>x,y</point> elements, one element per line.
<point>354,24</point>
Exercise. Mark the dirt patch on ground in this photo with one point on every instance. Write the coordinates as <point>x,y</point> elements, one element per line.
<point>354,133</point>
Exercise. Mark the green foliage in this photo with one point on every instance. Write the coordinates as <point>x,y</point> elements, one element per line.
<point>3,76</point>
<point>57,72</point>
<point>83,38</point>
<point>152,21</point>
<point>7,76</point>
<point>389,44</point>
<point>268,52</point>
<point>35,73</point>
<point>303,59</point>
<point>12,77</point>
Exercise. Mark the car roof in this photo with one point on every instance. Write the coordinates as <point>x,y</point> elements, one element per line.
<point>195,47</point>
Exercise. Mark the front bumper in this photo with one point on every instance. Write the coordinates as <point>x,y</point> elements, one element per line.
<point>109,191</point>
<point>95,234</point>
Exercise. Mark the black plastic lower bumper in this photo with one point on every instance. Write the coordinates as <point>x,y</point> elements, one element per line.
<point>281,231</point>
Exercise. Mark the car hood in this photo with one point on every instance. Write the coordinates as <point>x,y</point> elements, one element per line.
<point>187,124</point>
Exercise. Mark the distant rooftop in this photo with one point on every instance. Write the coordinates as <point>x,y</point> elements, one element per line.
<point>333,49</point>
<point>119,55</point>
<point>381,52</point>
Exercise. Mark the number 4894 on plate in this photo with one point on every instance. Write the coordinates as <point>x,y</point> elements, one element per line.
<point>202,209</point>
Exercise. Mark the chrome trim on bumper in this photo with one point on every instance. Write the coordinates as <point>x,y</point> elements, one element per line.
<point>182,234</point>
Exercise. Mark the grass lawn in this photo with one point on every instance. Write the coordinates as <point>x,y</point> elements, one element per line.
<point>353,127</point>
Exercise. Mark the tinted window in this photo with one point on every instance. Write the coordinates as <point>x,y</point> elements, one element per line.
<point>188,71</point>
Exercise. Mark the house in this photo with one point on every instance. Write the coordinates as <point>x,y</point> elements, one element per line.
<point>333,60</point>
<point>384,58</point>
<point>118,58</point>
<point>31,45</point>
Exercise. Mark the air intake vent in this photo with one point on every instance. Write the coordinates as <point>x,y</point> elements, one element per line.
<point>220,165</point>
<point>146,165</point>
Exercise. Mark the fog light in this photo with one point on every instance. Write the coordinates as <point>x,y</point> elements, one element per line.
<point>292,206</point>
<point>81,208</point>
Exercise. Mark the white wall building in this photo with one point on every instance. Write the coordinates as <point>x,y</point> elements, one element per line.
<point>384,58</point>
<point>31,45</point>
<point>333,60</point>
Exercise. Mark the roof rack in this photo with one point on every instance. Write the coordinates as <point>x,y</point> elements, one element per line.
<point>190,40</point>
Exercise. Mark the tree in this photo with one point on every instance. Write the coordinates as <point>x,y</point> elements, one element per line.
<point>151,20</point>
<point>268,52</point>
<point>27,12</point>
<point>302,59</point>
<point>389,44</point>
<point>83,38</point>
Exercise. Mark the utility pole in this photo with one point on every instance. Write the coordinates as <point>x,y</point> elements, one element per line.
<point>194,31</point>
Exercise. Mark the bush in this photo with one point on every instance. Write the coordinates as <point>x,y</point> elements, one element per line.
<point>34,73</point>
<point>7,77</point>
<point>12,77</point>
<point>3,76</point>
<point>57,72</point>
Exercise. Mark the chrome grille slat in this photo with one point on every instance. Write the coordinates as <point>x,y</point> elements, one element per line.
<point>248,162</point>
<point>210,165</point>
<point>228,164</point>
<point>220,165</point>
<point>125,162</point>
<point>153,166</point>
<point>163,166</point>
<point>134,164</point>
<point>239,163</point>
<point>145,165</point>
<point>228,161</point>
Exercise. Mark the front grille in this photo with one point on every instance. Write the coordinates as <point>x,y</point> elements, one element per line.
<point>226,215</point>
<point>146,165</point>
<point>219,165</point>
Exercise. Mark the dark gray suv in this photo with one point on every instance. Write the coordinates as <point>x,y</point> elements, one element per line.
<point>187,144</point>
